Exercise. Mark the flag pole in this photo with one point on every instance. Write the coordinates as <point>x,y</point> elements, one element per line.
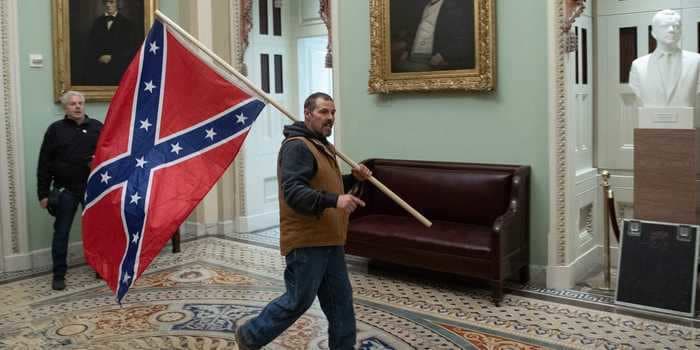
<point>284,111</point>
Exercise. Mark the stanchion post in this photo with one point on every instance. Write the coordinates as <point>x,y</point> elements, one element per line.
<point>607,265</point>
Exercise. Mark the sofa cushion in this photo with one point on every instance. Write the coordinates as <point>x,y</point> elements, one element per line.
<point>401,231</point>
<point>449,193</point>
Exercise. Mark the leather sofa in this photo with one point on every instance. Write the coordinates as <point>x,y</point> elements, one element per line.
<point>480,216</point>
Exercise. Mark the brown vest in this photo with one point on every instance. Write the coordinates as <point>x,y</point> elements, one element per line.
<point>298,230</point>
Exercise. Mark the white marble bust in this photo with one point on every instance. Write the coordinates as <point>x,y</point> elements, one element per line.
<point>668,77</point>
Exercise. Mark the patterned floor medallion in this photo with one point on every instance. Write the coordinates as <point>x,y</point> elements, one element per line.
<point>197,299</point>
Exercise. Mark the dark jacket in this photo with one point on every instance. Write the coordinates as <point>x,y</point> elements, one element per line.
<point>454,36</point>
<point>297,167</point>
<point>65,155</point>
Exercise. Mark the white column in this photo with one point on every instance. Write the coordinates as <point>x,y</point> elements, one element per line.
<point>14,242</point>
<point>209,21</point>
<point>574,202</point>
<point>559,254</point>
<point>206,215</point>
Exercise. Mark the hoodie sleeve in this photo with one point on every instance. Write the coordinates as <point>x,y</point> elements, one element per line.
<point>297,168</point>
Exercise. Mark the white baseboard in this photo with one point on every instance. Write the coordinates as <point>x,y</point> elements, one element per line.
<point>211,229</point>
<point>258,222</point>
<point>195,229</point>
<point>226,227</point>
<point>18,262</point>
<point>562,277</point>
<point>566,276</point>
<point>190,228</point>
<point>538,275</point>
<point>42,257</point>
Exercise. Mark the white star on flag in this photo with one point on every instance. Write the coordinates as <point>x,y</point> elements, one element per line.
<point>135,237</point>
<point>126,278</point>
<point>135,198</point>
<point>241,118</point>
<point>176,148</point>
<point>210,134</point>
<point>105,177</point>
<point>145,124</point>
<point>154,48</point>
<point>149,86</point>
<point>140,162</point>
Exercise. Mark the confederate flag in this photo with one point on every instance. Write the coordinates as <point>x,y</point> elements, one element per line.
<point>174,125</point>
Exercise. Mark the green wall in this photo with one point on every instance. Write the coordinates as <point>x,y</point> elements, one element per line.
<point>507,126</point>
<point>39,109</point>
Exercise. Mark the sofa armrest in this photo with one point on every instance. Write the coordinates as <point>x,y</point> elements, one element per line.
<point>362,190</point>
<point>503,224</point>
<point>512,227</point>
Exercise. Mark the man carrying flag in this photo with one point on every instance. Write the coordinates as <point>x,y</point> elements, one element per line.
<point>313,225</point>
<point>174,125</point>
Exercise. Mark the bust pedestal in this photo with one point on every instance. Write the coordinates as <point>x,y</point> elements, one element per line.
<point>665,168</point>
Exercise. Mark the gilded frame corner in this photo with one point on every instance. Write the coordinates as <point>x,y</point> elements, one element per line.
<point>480,78</point>
<point>62,78</point>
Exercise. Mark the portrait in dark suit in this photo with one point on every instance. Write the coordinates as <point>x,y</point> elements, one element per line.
<point>432,35</point>
<point>104,39</point>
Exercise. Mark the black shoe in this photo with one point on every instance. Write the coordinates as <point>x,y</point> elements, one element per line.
<point>239,341</point>
<point>97,276</point>
<point>58,284</point>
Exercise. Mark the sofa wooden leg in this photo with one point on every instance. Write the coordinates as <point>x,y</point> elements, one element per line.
<point>524,274</point>
<point>497,292</point>
<point>176,241</point>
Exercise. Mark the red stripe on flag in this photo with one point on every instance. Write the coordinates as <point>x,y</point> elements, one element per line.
<point>188,78</point>
<point>106,237</point>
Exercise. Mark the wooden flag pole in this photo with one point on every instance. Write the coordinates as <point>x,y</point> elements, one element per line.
<point>284,111</point>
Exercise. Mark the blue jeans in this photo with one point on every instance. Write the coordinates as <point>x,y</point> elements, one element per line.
<point>65,212</point>
<point>310,272</point>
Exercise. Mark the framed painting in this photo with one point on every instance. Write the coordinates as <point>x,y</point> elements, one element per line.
<point>94,41</point>
<point>424,45</point>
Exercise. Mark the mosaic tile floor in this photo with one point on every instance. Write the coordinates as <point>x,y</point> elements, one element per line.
<point>195,299</point>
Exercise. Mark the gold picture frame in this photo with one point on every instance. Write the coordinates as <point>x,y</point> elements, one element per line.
<point>76,37</point>
<point>398,64</point>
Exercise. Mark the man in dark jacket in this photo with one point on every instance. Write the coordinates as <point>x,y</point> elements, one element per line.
<point>313,224</point>
<point>64,166</point>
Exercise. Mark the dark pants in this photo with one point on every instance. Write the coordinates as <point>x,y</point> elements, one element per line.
<point>65,212</point>
<point>310,272</point>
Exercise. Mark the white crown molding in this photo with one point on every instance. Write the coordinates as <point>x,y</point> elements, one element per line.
<point>14,240</point>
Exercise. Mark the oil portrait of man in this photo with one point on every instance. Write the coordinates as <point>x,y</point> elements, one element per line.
<point>105,35</point>
<point>431,35</point>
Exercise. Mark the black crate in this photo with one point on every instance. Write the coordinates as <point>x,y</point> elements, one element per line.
<point>657,266</point>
